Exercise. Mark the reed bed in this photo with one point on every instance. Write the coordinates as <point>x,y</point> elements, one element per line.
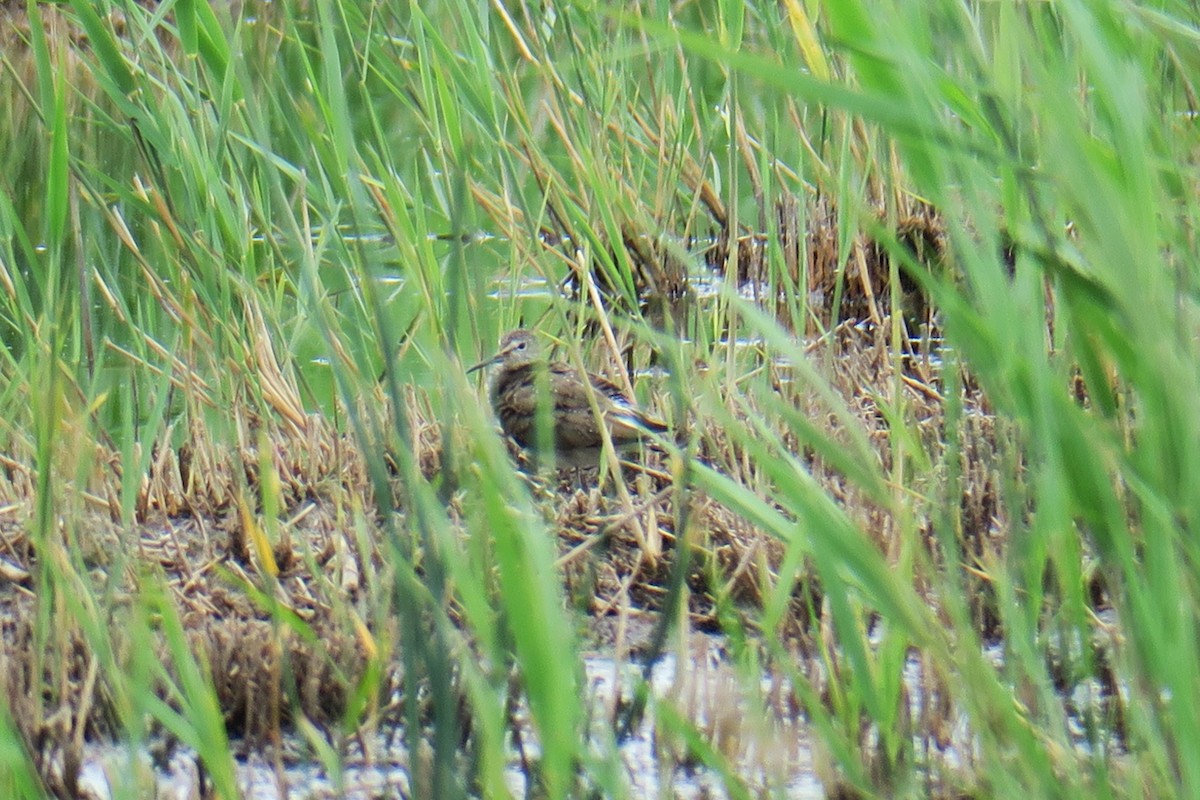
<point>914,285</point>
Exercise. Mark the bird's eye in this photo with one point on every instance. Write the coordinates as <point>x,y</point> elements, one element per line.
<point>520,345</point>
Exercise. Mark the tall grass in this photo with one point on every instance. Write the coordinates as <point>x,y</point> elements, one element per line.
<point>296,222</point>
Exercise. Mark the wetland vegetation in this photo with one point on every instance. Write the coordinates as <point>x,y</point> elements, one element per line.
<point>914,285</point>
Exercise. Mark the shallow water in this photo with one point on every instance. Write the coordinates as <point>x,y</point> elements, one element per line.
<point>770,752</point>
<point>765,745</point>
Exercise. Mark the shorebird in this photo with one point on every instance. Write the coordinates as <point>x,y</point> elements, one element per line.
<point>515,395</point>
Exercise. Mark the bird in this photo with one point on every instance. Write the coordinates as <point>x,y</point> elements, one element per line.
<point>576,429</point>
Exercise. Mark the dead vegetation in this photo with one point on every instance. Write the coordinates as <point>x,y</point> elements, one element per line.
<point>195,530</point>
<point>262,674</point>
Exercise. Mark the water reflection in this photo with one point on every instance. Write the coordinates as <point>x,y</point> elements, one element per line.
<point>771,754</point>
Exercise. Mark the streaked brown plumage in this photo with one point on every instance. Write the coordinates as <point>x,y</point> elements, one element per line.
<point>577,437</point>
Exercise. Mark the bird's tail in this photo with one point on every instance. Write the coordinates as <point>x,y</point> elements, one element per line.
<point>636,421</point>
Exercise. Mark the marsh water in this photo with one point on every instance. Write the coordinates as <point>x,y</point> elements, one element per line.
<point>774,754</point>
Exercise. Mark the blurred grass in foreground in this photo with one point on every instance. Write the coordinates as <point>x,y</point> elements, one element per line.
<point>217,233</point>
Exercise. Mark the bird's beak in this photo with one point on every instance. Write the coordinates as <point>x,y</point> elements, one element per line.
<point>493,360</point>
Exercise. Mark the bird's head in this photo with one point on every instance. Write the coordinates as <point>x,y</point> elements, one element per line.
<point>517,349</point>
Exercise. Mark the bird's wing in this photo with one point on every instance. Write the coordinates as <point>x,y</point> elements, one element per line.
<point>622,413</point>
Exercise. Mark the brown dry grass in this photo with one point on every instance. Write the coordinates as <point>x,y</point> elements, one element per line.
<point>193,528</point>
<point>190,532</point>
